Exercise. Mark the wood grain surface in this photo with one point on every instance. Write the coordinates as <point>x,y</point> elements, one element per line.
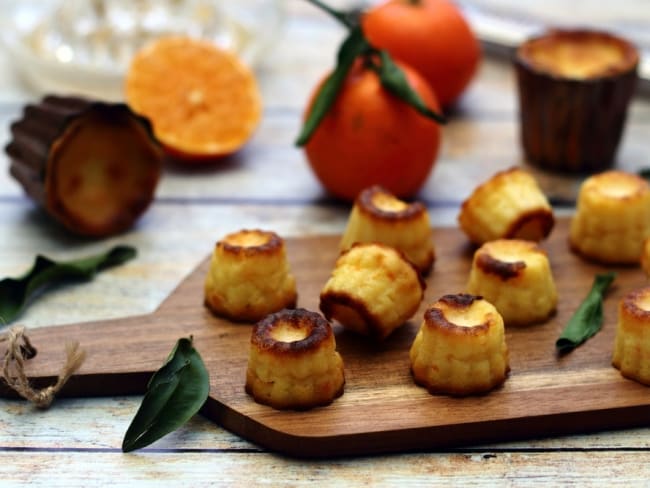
<point>382,409</point>
<point>268,184</point>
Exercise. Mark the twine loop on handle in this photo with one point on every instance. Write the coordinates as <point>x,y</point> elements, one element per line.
<point>18,350</point>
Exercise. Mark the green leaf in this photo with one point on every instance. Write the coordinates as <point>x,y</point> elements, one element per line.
<point>16,293</point>
<point>588,318</point>
<point>393,79</point>
<point>174,394</point>
<point>354,46</point>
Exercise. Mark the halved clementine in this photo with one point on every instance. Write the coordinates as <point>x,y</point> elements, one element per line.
<point>202,101</point>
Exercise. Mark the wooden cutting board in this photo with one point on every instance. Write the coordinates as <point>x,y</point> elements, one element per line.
<point>382,410</point>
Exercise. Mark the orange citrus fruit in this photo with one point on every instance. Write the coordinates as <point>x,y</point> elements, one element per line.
<point>202,101</point>
<point>371,137</point>
<point>431,36</point>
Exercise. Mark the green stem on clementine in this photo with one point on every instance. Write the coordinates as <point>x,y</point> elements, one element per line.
<point>356,46</point>
<point>348,19</point>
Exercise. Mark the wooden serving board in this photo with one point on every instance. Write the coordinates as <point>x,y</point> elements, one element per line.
<point>382,410</point>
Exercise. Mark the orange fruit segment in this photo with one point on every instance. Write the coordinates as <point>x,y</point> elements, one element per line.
<point>202,101</point>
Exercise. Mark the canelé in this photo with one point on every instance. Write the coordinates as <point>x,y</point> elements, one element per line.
<point>510,205</point>
<point>93,166</point>
<point>515,276</point>
<point>293,363</point>
<point>249,276</point>
<point>632,344</point>
<point>460,348</point>
<point>612,218</point>
<point>574,90</point>
<point>373,289</point>
<point>378,216</point>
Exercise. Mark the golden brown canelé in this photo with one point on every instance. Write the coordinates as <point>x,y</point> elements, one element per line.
<point>460,348</point>
<point>378,216</point>
<point>579,55</point>
<point>372,290</point>
<point>510,205</point>
<point>93,166</point>
<point>293,363</point>
<point>632,344</point>
<point>249,276</point>
<point>574,90</point>
<point>612,218</point>
<point>515,276</point>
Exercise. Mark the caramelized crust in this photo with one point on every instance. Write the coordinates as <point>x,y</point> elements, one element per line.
<point>378,216</point>
<point>510,205</point>
<point>612,218</point>
<point>248,243</point>
<point>308,329</point>
<point>93,166</point>
<point>579,54</point>
<point>462,302</point>
<point>373,290</point>
<point>460,348</point>
<point>532,225</point>
<point>293,363</point>
<point>635,308</point>
<point>377,203</point>
<point>515,276</point>
<point>502,269</point>
<point>632,344</point>
<point>249,276</point>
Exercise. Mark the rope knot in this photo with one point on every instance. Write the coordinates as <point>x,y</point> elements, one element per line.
<point>19,349</point>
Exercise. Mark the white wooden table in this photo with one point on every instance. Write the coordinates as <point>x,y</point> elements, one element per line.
<point>268,184</point>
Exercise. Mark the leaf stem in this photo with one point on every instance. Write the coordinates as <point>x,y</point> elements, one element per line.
<point>344,18</point>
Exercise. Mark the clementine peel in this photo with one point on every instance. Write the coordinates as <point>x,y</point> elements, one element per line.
<point>370,136</point>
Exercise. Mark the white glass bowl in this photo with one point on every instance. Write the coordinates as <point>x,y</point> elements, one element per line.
<point>84,46</point>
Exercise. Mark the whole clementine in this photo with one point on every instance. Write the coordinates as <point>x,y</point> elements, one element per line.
<point>369,136</point>
<point>432,36</point>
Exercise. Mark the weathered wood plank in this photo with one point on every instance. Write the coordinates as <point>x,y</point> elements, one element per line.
<point>173,237</point>
<point>71,469</point>
<point>68,425</point>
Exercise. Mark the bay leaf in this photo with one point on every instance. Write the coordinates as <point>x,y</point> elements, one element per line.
<point>393,79</point>
<point>588,318</point>
<point>175,393</point>
<point>353,46</point>
<point>17,293</point>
